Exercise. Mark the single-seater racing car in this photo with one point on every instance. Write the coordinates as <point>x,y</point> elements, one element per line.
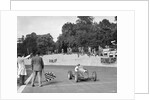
<point>81,74</point>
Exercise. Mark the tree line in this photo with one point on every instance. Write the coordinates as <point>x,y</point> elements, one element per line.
<point>33,43</point>
<point>84,33</point>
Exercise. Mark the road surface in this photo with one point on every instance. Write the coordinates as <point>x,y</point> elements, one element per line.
<point>106,81</point>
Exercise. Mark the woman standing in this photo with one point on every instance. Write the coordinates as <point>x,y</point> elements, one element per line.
<point>21,68</point>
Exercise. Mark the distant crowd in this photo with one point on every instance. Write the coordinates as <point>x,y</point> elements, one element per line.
<point>89,51</point>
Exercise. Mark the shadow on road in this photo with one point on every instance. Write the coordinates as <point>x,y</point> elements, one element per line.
<point>51,83</point>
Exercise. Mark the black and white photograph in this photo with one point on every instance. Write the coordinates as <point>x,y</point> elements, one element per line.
<point>74,49</point>
<point>66,54</point>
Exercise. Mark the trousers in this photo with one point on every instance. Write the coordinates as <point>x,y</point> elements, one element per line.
<point>35,73</point>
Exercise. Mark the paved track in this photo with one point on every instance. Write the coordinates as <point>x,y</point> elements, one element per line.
<point>106,83</point>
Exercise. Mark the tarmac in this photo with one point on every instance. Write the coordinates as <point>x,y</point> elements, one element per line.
<point>106,81</point>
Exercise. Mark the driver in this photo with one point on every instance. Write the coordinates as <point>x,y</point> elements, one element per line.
<point>81,69</point>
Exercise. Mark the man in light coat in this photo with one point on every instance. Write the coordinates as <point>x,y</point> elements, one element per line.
<point>37,67</point>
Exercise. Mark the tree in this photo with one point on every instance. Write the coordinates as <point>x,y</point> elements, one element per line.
<point>30,43</point>
<point>45,43</point>
<point>85,33</point>
<point>33,43</point>
<point>85,19</point>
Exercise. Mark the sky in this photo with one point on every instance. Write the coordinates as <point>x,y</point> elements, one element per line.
<point>48,24</point>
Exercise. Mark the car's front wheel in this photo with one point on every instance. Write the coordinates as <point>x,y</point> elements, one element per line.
<point>94,76</point>
<point>76,77</point>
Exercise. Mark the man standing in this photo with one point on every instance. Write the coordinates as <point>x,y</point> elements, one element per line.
<point>37,67</point>
<point>100,50</point>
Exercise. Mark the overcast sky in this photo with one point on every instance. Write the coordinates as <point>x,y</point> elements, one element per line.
<point>48,24</point>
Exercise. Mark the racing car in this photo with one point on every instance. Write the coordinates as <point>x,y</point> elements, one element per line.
<point>78,75</point>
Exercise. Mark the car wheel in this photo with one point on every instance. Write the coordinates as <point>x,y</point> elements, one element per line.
<point>76,77</point>
<point>69,75</point>
<point>94,76</point>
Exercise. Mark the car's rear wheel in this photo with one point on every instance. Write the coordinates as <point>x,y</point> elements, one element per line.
<point>69,75</point>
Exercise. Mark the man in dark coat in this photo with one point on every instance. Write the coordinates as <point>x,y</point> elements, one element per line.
<point>37,67</point>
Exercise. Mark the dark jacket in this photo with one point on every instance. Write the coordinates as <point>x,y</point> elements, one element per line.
<point>37,63</point>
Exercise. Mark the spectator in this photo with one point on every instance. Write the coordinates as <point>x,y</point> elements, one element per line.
<point>21,68</point>
<point>62,51</point>
<point>37,67</point>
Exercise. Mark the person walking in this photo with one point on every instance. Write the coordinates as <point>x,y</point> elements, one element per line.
<point>100,49</point>
<point>21,69</point>
<point>89,51</point>
<point>37,67</point>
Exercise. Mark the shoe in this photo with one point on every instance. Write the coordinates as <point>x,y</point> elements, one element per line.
<point>33,85</point>
<point>22,84</point>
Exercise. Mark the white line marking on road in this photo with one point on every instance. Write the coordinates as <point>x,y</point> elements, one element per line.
<point>23,86</point>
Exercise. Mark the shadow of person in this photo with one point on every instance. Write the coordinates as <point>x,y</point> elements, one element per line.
<point>45,83</point>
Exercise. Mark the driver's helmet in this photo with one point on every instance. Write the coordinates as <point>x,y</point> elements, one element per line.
<point>78,64</point>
